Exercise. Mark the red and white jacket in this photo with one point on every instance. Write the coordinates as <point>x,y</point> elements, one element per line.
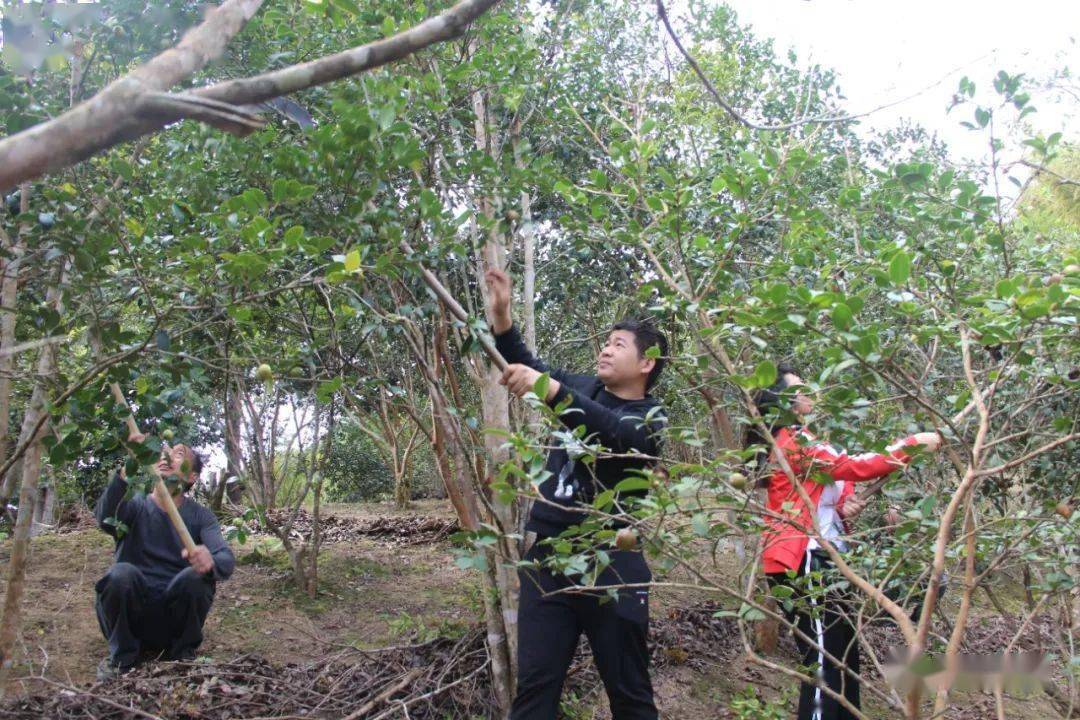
<point>785,541</point>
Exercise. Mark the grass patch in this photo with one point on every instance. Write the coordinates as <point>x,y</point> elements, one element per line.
<point>418,628</point>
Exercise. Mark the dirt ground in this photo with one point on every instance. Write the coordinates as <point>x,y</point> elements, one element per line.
<point>376,592</point>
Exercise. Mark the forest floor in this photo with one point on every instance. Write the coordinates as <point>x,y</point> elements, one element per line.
<point>376,591</point>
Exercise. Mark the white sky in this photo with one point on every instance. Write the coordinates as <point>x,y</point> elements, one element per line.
<point>886,50</point>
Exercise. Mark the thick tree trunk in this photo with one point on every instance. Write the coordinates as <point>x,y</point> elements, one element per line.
<point>528,295</point>
<point>45,506</point>
<point>217,498</point>
<point>234,413</point>
<point>455,468</point>
<point>9,288</point>
<point>20,547</point>
<point>442,462</point>
<point>463,485</point>
<point>304,571</point>
<point>528,251</point>
<point>402,489</point>
<point>495,410</point>
<point>31,469</point>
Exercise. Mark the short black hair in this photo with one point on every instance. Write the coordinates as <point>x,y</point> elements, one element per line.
<point>646,335</point>
<point>766,401</point>
<point>769,398</point>
<point>197,461</point>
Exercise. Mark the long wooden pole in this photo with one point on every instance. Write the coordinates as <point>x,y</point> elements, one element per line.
<point>455,308</point>
<point>161,493</point>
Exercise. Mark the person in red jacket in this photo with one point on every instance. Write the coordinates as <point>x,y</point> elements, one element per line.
<point>792,539</point>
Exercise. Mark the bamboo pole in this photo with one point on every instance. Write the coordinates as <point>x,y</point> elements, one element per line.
<point>161,493</point>
<point>486,343</point>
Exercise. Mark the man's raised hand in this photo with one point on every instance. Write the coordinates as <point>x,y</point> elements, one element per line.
<point>520,379</point>
<point>498,283</point>
<point>135,438</point>
<point>201,559</point>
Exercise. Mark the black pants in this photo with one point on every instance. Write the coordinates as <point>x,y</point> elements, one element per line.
<point>548,631</point>
<point>825,619</point>
<point>134,618</point>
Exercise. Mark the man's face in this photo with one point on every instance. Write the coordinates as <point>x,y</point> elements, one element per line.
<point>176,462</point>
<point>620,362</point>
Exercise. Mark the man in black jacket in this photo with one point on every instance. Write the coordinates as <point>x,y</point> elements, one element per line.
<point>156,596</point>
<point>616,411</point>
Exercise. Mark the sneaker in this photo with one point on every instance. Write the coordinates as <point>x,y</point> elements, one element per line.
<point>108,670</point>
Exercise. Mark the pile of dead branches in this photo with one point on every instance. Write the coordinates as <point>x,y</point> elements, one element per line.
<point>75,518</point>
<point>688,636</point>
<point>389,531</point>
<point>411,530</point>
<point>694,636</point>
<point>439,679</point>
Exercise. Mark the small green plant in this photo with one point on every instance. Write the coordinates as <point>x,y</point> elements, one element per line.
<point>422,630</point>
<point>749,705</point>
<point>241,526</point>
<point>575,707</point>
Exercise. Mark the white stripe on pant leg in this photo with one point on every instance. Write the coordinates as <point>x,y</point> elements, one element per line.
<point>816,715</point>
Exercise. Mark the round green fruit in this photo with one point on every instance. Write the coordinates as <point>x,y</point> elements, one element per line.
<point>264,373</point>
<point>738,481</point>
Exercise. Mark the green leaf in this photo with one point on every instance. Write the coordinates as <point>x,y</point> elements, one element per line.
<point>327,389</point>
<point>750,613</point>
<point>294,235</point>
<point>841,316</point>
<point>429,203</point>
<point>279,190</point>
<point>352,261</point>
<point>386,116</point>
<point>540,387</point>
<point>632,484</point>
<point>900,268</point>
<point>764,374</point>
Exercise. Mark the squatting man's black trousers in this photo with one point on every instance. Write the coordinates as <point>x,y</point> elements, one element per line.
<point>136,618</point>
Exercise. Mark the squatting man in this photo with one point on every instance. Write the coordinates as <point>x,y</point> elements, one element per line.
<point>154,599</point>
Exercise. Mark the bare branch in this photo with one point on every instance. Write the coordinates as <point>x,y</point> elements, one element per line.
<point>135,105</point>
<point>1033,454</point>
<point>108,119</point>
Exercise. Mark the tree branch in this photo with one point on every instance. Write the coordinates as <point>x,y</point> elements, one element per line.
<point>109,117</point>
<point>135,105</point>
